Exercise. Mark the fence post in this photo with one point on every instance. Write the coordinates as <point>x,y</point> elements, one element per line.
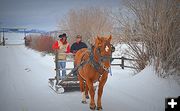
<point>122,63</point>
<point>3,38</point>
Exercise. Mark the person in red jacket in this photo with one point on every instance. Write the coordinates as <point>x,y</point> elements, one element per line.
<point>62,47</point>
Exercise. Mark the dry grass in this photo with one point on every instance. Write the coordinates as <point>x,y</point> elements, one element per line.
<point>40,43</point>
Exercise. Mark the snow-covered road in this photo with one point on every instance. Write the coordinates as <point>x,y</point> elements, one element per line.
<point>24,76</point>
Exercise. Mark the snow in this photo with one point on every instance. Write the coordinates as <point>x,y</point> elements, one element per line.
<point>121,50</point>
<point>14,38</point>
<point>24,77</point>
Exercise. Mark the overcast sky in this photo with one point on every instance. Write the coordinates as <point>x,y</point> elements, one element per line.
<point>43,14</point>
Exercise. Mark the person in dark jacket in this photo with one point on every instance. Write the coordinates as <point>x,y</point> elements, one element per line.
<point>77,46</point>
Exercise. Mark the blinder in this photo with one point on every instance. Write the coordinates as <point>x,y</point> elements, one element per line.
<point>112,48</point>
<point>101,58</point>
<point>105,57</point>
<point>97,65</point>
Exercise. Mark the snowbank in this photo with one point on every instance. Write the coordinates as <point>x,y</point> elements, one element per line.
<point>142,92</point>
<point>24,77</point>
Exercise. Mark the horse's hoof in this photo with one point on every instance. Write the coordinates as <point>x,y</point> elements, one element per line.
<point>87,97</point>
<point>84,102</point>
<point>99,108</point>
<point>92,107</point>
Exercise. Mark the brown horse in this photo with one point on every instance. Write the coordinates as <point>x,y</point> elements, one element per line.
<point>95,68</point>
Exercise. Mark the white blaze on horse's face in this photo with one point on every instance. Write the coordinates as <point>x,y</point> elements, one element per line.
<point>106,48</point>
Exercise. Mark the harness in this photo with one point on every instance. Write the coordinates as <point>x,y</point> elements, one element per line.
<point>96,65</point>
<point>102,59</point>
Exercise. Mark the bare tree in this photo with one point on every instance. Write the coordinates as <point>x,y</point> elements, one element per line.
<point>88,22</point>
<point>155,24</point>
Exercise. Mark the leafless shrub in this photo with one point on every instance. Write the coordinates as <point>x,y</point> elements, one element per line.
<point>155,24</point>
<point>41,43</point>
<point>88,22</point>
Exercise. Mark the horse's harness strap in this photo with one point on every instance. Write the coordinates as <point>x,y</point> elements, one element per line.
<point>96,65</point>
<point>91,60</point>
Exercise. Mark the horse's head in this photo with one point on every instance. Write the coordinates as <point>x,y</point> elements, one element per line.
<point>103,51</point>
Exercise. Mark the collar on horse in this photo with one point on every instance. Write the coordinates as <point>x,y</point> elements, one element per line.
<point>98,66</point>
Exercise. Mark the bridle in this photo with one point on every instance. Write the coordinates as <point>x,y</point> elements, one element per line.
<point>101,58</point>
<point>97,65</point>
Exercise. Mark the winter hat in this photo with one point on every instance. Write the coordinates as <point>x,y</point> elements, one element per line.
<point>79,36</point>
<point>62,35</point>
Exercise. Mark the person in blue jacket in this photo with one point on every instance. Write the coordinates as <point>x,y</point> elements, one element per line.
<point>77,46</point>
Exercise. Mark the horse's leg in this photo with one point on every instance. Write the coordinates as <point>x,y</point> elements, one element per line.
<point>92,93</point>
<point>86,91</point>
<point>100,91</point>
<point>81,84</point>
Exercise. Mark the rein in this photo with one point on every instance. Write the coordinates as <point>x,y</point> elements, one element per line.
<point>96,65</point>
